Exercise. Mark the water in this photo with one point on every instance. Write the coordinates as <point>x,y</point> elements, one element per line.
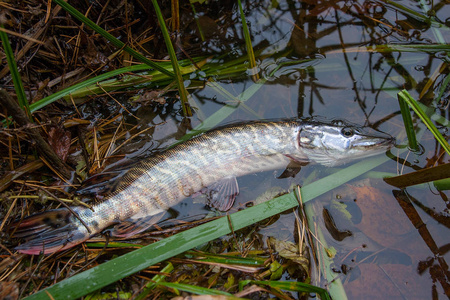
<point>398,247</point>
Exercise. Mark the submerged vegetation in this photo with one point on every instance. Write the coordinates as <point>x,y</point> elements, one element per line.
<point>88,87</point>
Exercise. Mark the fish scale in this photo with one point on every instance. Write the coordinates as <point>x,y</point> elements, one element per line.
<point>208,163</point>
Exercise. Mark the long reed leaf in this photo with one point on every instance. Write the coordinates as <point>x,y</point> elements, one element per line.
<point>119,44</point>
<point>173,58</point>
<point>18,86</point>
<point>412,13</point>
<point>193,289</point>
<point>443,88</point>
<point>410,48</point>
<point>248,43</point>
<point>326,263</point>
<point>290,286</point>
<point>404,109</point>
<point>442,185</point>
<point>99,85</point>
<point>58,95</point>
<point>197,22</point>
<point>414,105</point>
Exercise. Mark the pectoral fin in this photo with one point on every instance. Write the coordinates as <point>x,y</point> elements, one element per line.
<point>221,195</point>
<point>292,169</point>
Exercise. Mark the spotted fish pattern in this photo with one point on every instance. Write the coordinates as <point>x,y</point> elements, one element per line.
<point>208,163</point>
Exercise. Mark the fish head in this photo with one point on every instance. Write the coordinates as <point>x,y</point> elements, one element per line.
<point>340,142</point>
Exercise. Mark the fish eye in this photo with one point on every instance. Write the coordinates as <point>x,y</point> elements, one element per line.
<point>347,132</point>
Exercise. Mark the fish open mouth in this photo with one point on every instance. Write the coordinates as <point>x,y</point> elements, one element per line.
<point>371,142</point>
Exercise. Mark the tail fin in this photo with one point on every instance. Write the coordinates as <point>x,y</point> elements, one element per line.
<point>49,232</point>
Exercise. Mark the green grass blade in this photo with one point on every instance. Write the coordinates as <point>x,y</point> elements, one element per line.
<point>154,281</point>
<point>436,29</point>
<point>193,289</point>
<point>326,263</point>
<point>414,105</point>
<point>92,85</point>
<point>197,22</point>
<point>409,127</point>
<point>442,185</point>
<point>140,259</point>
<point>290,286</point>
<point>112,245</point>
<point>173,58</point>
<point>416,15</point>
<point>18,86</point>
<point>410,48</point>
<point>119,44</point>
<point>248,43</point>
<point>58,95</point>
<point>444,86</point>
<point>225,259</point>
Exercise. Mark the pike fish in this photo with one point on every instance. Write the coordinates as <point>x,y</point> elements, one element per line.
<point>208,163</point>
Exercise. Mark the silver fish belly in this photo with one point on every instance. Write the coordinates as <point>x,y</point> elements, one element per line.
<point>209,163</point>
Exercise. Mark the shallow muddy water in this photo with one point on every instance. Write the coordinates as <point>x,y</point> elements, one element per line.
<point>342,59</point>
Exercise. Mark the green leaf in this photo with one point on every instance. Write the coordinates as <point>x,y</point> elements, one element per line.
<point>226,259</point>
<point>418,110</point>
<point>248,42</point>
<point>18,86</point>
<point>58,95</point>
<point>276,270</point>
<point>442,185</point>
<point>173,58</point>
<point>290,286</point>
<point>193,289</point>
<point>154,281</point>
<point>409,127</point>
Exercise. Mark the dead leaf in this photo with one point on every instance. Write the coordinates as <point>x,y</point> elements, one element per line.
<point>59,140</point>
<point>290,251</point>
<point>153,96</point>
<point>383,220</point>
<point>92,57</point>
